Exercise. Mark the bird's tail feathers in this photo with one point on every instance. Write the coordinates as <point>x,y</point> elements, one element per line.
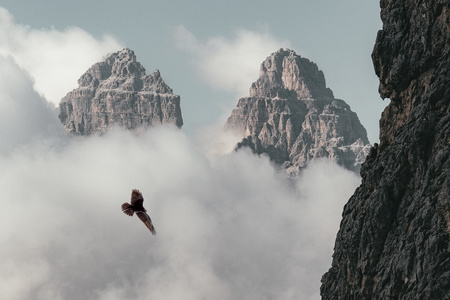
<point>127,210</point>
<point>153,231</point>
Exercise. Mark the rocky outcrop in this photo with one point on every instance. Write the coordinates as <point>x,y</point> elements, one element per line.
<point>394,238</point>
<point>293,117</point>
<point>117,91</point>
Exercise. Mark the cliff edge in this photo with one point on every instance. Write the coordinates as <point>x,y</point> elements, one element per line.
<point>394,237</point>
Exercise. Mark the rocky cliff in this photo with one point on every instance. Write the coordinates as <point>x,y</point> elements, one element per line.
<point>293,117</point>
<point>394,238</point>
<point>117,91</point>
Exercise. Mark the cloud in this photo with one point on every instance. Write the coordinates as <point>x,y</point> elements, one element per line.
<point>229,228</point>
<point>55,59</point>
<point>229,64</point>
<point>24,115</point>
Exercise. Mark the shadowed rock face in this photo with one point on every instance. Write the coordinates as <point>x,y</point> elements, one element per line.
<point>294,118</point>
<point>394,238</point>
<point>117,91</point>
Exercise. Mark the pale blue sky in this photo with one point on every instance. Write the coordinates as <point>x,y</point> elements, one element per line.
<point>337,35</point>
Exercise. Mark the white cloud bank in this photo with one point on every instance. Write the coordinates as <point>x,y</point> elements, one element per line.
<point>54,59</point>
<point>231,227</point>
<point>229,64</point>
<point>24,115</point>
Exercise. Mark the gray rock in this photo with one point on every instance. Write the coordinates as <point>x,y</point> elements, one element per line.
<point>394,237</point>
<point>294,118</point>
<point>117,91</point>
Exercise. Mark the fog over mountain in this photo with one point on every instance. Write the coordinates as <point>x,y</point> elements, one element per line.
<point>229,225</point>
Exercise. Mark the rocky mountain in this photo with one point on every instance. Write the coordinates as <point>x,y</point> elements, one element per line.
<point>293,117</point>
<point>117,91</point>
<point>394,237</point>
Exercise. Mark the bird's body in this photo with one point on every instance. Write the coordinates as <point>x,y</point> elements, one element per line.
<point>129,209</point>
<point>137,207</point>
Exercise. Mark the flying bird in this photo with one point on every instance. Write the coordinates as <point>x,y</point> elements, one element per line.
<point>136,207</point>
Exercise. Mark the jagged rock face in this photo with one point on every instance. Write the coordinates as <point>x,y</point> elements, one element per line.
<point>293,117</point>
<point>394,238</point>
<point>286,71</point>
<point>117,91</point>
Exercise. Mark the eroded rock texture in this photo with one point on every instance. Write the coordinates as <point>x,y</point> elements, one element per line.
<point>394,238</point>
<point>293,117</point>
<point>117,91</point>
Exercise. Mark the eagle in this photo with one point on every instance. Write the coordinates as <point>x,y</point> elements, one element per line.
<point>136,207</point>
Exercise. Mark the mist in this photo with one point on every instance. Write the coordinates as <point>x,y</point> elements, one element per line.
<point>230,224</point>
<point>229,64</point>
<point>229,228</point>
<point>54,58</point>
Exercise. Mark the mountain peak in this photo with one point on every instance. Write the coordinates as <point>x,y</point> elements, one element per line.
<point>117,91</point>
<point>125,64</point>
<point>286,72</point>
<point>293,117</point>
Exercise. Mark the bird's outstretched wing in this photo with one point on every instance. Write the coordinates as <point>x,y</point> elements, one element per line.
<point>136,197</point>
<point>147,221</point>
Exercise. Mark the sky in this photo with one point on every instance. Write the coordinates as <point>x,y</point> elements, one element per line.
<point>208,52</point>
<point>230,224</point>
